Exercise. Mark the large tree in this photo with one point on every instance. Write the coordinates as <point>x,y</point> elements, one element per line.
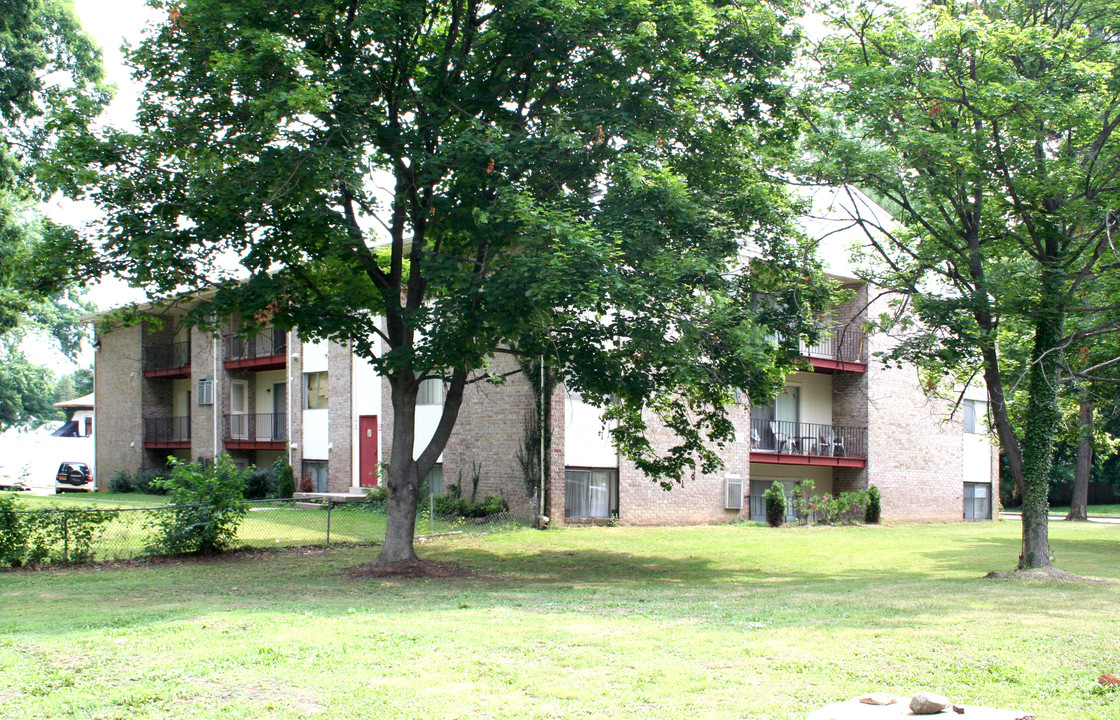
<point>50,89</point>
<point>434,182</point>
<point>990,129</point>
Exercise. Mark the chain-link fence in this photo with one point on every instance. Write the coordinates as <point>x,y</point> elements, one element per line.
<point>89,535</point>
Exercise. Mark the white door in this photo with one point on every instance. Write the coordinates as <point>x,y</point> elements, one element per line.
<point>239,410</point>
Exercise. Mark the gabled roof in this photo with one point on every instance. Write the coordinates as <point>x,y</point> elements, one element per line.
<point>85,402</point>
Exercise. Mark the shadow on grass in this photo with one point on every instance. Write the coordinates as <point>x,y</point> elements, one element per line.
<point>1079,556</point>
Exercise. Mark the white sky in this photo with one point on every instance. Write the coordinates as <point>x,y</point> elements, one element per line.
<point>111,23</point>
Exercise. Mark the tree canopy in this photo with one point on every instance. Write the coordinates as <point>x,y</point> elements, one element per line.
<point>990,130</point>
<point>50,75</point>
<point>434,182</point>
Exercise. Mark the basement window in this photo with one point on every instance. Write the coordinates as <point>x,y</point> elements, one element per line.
<point>591,493</point>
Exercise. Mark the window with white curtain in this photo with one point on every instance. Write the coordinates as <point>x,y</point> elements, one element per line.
<point>975,417</point>
<point>316,391</point>
<point>431,392</point>
<point>591,493</point>
<point>977,501</point>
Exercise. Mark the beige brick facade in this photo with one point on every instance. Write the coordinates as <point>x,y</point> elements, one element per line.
<point>914,449</point>
<point>118,385</point>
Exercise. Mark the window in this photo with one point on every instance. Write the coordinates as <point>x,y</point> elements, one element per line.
<point>434,479</point>
<point>314,477</point>
<point>206,391</point>
<point>977,501</point>
<point>975,417</point>
<point>431,392</point>
<point>591,493</point>
<point>733,492</point>
<point>316,390</point>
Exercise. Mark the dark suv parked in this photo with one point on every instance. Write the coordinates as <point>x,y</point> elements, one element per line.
<point>74,476</point>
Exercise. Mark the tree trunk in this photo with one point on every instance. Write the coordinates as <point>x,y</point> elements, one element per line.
<point>1008,441</point>
<point>1079,505</point>
<point>402,480</point>
<point>406,473</point>
<point>1042,423</point>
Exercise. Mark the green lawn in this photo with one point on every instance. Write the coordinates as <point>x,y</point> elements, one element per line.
<point>267,524</point>
<point>97,499</point>
<point>714,622</point>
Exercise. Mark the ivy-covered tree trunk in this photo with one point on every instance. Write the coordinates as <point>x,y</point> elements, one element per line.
<point>1042,423</point>
<point>1079,503</point>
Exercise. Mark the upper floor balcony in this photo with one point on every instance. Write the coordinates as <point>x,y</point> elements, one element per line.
<point>842,349</point>
<point>797,443</point>
<point>260,431</point>
<point>266,350</point>
<point>167,432</point>
<point>171,360</point>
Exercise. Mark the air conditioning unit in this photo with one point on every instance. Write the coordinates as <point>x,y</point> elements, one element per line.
<point>733,492</point>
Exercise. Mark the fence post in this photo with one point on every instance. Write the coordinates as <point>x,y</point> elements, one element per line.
<point>329,506</point>
<point>431,513</point>
<point>65,539</point>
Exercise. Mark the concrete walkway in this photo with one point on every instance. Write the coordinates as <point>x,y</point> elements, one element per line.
<point>1107,519</point>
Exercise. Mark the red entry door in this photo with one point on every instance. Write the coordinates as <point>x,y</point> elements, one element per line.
<point>367,451</point>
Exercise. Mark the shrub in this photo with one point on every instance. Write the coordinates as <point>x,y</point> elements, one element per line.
<point>48,535</point>
<point>208,504</point>
<point>803,500</point>
<point>13,535</point>
<point>848,507</point>
<point>376,497</point>
<point>274,481</point>
<point>874,505</point>
<point>121,482</point>
<point>775,499</point>
<point>448,505</point>
<point>148,481</point>
<point>64,535</point>
<point>259,483</point>
<point>285,479</point>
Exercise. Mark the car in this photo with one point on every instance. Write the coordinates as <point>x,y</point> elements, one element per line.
<point>74,476</point>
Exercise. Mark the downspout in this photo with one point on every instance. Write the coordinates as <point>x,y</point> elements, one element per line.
<point>542,520</point>
<point>216,404</point>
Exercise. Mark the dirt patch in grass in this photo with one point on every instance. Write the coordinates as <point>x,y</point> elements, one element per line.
<point>1045,574</point>
<point>420,569</point>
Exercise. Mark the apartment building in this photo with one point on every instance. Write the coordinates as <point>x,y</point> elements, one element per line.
<point>847,421</point>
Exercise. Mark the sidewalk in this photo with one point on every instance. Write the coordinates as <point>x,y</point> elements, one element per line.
<point>1107,519</point>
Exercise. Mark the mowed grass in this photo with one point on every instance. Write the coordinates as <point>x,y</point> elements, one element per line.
<point>267,524</point>
<point>712,622</point>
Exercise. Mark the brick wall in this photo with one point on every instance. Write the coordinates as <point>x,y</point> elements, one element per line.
<point>915,451</point>
<point>203,349</point>
<point>489,434</point>
<point>699,499</point>
<point>295,405</point>
<point>118,384</point>
<point>341,429</point>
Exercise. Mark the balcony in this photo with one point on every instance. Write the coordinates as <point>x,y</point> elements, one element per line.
<point>792,443</point>
<point>266,350</point>
<point>844,349</point>
<point>263,431</point>
<point>172,360</point>
<point>167,432</point>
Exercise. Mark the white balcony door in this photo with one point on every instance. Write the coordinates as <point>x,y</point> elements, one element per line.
<point>279,422</point>
<point>787,406</point>
<point>239,410</point>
